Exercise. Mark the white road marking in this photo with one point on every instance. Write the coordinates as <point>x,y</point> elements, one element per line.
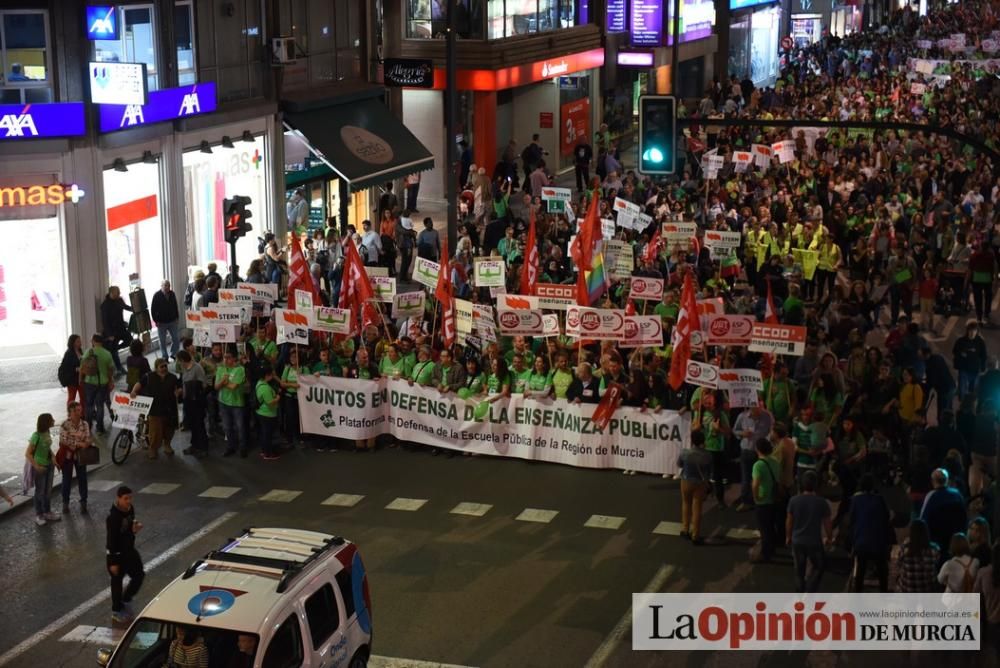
<point>281,495</point>
<point>219,492</point>
<point>604,522</point>
<point>410,505</point>
<point>471,509</point>
<point>537,515</point>
<point>105,593</point>
<point>391,662</point>
<point>742,533</point>
<point>949,326</point>
<point>343,500</point>
<point>624,626</point>
<point>159,488</point>
<point>668,529</point>
<point>103,485</point>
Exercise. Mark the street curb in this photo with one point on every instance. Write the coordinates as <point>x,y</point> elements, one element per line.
<point>21,500</point>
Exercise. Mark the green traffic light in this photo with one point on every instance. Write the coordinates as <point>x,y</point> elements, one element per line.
<point>652,154</point>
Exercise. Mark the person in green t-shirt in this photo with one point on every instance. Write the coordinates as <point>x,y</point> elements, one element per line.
<point>561,377</point>
<point>539,379</point>
<point>97,385</point>
<point>267,413</point>
<point>264,349</point>
<point>713,422</point>
<point>668,308</point>
<point>765,474</point>
<point>520,346</point>
<point>475,380</point>
<point>423,370</point>
<point>498,379</point>
<point>230,378</point>
<point>779,393</point>
<point>392,364</point>
<point>39,455</point>
<point>519,374</point>
<point>290,395</point>
<point>326,366</point>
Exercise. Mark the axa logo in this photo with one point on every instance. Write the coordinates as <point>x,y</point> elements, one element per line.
<point>132,116</point>
<point>190,105</point>
<point>16,125</point>
<point>101,22</point>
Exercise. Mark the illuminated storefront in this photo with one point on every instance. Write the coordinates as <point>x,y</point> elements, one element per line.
<point>754,34</point>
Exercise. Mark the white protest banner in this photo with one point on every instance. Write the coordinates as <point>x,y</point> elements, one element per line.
<point>516,302</point>
<point>407,304</point>
<point>482,318</point>
<point>621,205</point>
<point>643,330</point>
<point>384,287</point>
<point>702,375</point>
<point>607,228</point>
<point>785,150</point>
<point>223,333</point>
<point>376,271</point>
<point>555,296</point>
<point>236,295</point>
<point>548,430</point>
<point>599,324</point>
<point>736,379</point>
<point>550,325</point>
<point>918,88</point>
<point>303,301</point>
<point>722,243</point>
<point>783,339</point>
<point>202,336</point>
<point>128,409</point>
<point>627,213</point>
<point>291,334</point>
<point>463,316</point>
<point>650,289</point>
<point>624,261</point>
<point>559,194</point>
<point>260,291</point>
<point>425,272</point>
<point>729,330</point>
<point>761,155</point>
<point>520,322</point>
<point>490,273</point>
<point>333,320</point>
<point>679,231</point>
<point>743,397</point>
<point>742,160</point>
<point>221,314</point>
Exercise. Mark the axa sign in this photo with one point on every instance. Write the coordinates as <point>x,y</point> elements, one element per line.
<point>102,22</point>
<point>33,121</point>
<point>39,195</point>
<point>163,105</point>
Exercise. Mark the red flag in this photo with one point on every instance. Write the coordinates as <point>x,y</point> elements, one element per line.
<point>770,315</point>
<point>606,408</point>
<point>653,247</point>
<point>299,276</point>
<point>529,272</point>
<point>687,322</point>
<point>442,292</point>
<point>630,307</point>
<point>582,250</point>
<point>355,288</point>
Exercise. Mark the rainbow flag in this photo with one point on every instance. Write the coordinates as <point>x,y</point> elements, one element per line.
<point>597,278</point>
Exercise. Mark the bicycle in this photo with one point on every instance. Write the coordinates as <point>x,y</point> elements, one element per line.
<point>122,445</point>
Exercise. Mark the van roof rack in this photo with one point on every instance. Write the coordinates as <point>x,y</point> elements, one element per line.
<point>289,569</point>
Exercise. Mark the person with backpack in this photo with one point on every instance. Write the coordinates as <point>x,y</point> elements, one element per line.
<point>97,377</point>
<point>267,413</point>
<point>696,482</point>
<point>958,574</point>
<point>69,369</point>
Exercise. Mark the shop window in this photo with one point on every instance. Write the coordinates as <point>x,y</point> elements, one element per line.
<point>330,32</point>
<point>136,44</point>
<point>508,18</point>
<point>135,230</point>
<point>187,72</point>
<point>24,48</point>
<point>428,19</point>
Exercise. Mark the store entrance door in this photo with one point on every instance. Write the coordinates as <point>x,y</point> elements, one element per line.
<point>32,296</point>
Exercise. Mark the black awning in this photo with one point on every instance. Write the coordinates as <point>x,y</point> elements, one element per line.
<point>362,142</point>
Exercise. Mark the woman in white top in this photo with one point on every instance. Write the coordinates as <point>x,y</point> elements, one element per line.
<point>958,574</point>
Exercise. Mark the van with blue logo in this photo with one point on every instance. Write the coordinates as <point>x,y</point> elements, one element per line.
<point>272,598</point>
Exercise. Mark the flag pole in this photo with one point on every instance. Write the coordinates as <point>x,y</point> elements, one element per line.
<point>434,319</point>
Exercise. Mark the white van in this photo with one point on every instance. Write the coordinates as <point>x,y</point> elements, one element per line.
<point>272,598</point>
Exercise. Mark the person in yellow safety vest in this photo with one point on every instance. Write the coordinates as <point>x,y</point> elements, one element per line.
<point>826,268</point>
<point>763,244</point>
<point>779,241</point>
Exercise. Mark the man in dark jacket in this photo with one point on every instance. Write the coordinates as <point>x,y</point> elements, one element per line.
<point>969,355</point>
<point>122,557</point>
<point>113,325</point>
<point>870,532</point>
<point>166,315</point>
<point>944,511</point>
<point>585,389</point>
<point>583,155</point>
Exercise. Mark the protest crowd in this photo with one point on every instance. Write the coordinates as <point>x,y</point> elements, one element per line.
<point>739,299</point>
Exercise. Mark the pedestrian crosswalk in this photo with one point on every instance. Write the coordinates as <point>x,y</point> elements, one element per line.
<point>476,509</point>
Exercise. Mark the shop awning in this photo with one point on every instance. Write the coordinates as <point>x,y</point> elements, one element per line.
<point>361,142</point>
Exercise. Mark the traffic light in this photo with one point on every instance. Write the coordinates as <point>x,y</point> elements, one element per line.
<point>657,134</point>
<point>235,214</point>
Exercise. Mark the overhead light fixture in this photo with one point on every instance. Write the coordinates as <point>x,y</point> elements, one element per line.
<point>148,158</point>
<point>248,137</point>
<point>119,165</point>
<point>206,147</point>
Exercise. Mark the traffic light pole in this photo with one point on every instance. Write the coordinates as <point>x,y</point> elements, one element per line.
<point>675,52</point>
<point>451,118</point>
<point>234,269</point>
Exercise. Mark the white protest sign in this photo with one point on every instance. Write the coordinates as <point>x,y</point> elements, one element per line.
<point>384,287</point>
<point>408,304</point>
<point>223,333</point>
<point>643,330</point>
<point>129,409</point>
<point>735,379</point>
<point>222,314</point>
<point>761,155</point>
<point>722,243</point>
<point>550,325</point>
<point>595,323</point>
<point>742,160</point>
<point>607,228</point>
<point>425,272</point>
<point>260,291</point>
<point>376,271</point>
<point>517,302</point>
<point>290,334</point>
<point>702,375</point>
<point>619,258</point>
<point>202,336</point>
<point>679,231</point>
<point>333,320</point>
<point>783,339</point>
<point>785,150</point>
<point>303,301</point>
<point>650,289</point>
<point>463,316</point>
<point>743,397</point>
<point>729,330</point>
<point>490,273</point>
<point>918,88</point>
<point>520,322</point>
<point>559,194</point>
<point>237,295</point>
<point>482,317</point>
<point>192,318</point>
